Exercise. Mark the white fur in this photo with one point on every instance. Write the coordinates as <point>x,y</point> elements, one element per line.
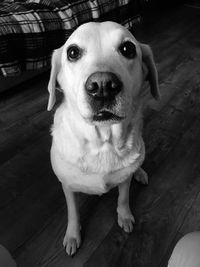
<point>91,156</point>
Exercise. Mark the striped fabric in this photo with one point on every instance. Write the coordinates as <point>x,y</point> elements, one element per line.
<point>31,29</point>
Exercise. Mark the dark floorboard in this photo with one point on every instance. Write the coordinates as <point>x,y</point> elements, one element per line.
<point>33,212</point>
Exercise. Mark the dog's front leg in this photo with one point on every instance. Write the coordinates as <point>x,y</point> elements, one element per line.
<point>72,239</point>
<point>125,217</point>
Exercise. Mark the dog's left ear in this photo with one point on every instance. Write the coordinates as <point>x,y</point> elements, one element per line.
<point>55,68</point>
<point>150,71</point>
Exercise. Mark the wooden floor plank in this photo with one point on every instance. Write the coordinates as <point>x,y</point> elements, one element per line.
<point>167,126</point>
<point>24,118</point>
<point>27,197</point>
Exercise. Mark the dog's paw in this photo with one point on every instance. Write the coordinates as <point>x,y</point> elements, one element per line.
<point>72,239</point>
<point>125,219</point>
<point>141,176</point>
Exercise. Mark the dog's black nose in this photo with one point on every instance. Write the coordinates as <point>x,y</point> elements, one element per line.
<point>103,85</point>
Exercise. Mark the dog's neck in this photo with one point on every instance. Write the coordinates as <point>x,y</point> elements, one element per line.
<point>85,132</point>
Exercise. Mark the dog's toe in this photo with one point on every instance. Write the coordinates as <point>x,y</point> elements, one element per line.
<point>72,241</point>
<point>71,246</point>
<point>141,176</point>
<point>126,224</point>
<point>125,220</point>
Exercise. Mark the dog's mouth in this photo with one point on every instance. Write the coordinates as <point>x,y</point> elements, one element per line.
<point>106,116</point>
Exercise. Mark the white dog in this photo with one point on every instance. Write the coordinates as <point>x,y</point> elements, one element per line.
<point>97,130</point>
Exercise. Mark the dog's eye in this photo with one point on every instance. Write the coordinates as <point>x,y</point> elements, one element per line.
<point>128,49</point>
<point>73,53</point>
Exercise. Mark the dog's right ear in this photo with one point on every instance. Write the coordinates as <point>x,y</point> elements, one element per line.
<point>55,68</point>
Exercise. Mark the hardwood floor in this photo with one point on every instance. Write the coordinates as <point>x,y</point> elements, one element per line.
<point>33,213</point>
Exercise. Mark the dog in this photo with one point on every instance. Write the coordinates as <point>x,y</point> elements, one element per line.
<point>97,131</point>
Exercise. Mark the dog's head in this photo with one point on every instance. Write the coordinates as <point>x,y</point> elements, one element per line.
<point>101,69</point>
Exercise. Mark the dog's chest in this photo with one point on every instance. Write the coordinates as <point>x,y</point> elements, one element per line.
<point>107,152</point>
<point>90,161</point>
<point>97,149</point>
<point>100,158</point>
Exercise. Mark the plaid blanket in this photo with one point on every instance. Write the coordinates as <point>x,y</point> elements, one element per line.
<point>31,29</point>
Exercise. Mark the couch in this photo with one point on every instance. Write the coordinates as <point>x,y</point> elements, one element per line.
<point>31,29</point>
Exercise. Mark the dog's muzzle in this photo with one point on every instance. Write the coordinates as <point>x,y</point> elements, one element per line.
<point>102,89</point>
